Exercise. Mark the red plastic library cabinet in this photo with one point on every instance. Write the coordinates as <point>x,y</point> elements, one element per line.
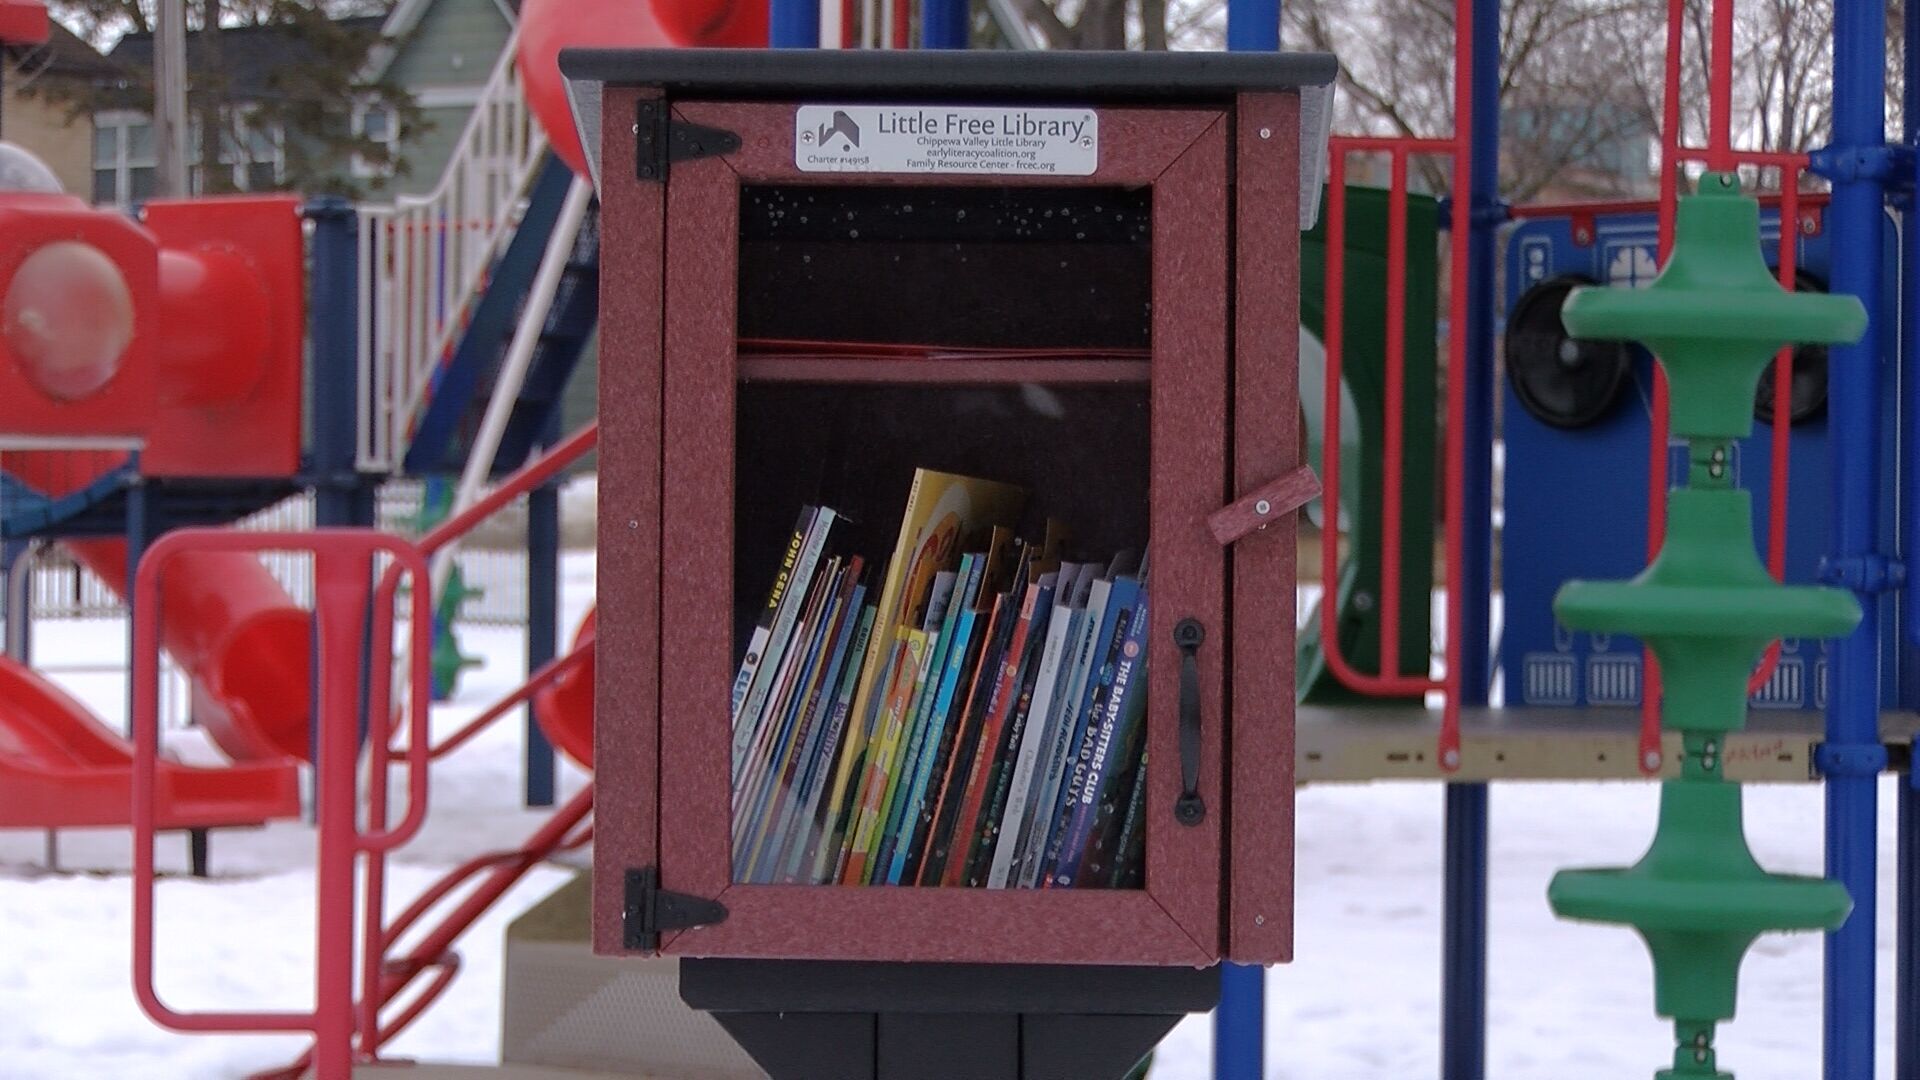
<point>1072,273</point>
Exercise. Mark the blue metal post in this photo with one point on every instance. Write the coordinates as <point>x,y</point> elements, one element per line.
<point>794,24</point>
<point>1463,1036</point>
<point>945,24</point>
<point>1855,163</point>
<point>1239,1024</point>
<point>1906,949</point>
<point>543,619</point>
<point>341,495</point>
<point>1253,25</point>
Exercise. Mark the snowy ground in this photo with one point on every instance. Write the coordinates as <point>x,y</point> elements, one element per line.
<point>1361,1001</point>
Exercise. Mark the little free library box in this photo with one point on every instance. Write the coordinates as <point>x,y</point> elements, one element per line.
<point>949,457</point>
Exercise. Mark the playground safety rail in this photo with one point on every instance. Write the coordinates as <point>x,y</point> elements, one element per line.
<point>425,258</point>
<point>1388,682</point>
<point>343,567</point>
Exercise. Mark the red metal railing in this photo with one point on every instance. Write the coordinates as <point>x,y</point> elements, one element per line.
<point>343,565</point>
<point>382,980</point>
<point>1719,155</point>
<point>1389,682</point>
<point>343,568</point>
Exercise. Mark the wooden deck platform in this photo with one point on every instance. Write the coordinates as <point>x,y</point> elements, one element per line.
<point>1383,742</point>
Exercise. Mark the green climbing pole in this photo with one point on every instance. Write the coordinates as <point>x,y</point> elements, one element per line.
<point>1707,609</point>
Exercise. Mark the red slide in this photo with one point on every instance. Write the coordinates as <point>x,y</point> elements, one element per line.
<point>225,620</point>
<point>565,709</point>
<point>59,766</point>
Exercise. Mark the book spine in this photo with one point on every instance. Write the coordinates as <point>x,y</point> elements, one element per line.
<point>933,760</point>
<point>812,813</point>
<point>1066,739</point>
<point>761,781</point>
<point>809,720</point>
<point>919,723</point>
<point>1096,866</point>
<point>748,772</point>
<point>933,859</point>
<point>1127,844</point>
<point>906,667</point>
<point>1127,683</point>
<point>763,627</point>
<point>980,862</point>
<point>1012,829</point>
<point>987,748</point>
<point>1088,731</point>
<point>751,709</point>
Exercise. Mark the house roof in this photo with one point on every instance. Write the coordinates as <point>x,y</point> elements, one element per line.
<point>248,57</point>
<point>64,55</point>
<point>404,16</point>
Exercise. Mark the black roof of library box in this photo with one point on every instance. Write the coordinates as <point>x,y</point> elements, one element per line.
<point>1155,77</point>
<point>961,76</point>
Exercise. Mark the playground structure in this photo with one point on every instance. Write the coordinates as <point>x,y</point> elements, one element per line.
<point>445,376</point>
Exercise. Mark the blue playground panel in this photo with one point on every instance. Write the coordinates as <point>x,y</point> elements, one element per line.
<point>1576,500</point>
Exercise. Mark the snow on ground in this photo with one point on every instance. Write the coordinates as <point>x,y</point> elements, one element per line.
<point>1360,1002</point>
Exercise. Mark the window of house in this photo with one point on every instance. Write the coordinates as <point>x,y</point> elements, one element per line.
<point>251,158</point>
<point>123,158</point>
<point>377,124</point>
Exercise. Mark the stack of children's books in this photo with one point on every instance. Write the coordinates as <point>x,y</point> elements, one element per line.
<point>980,722</point>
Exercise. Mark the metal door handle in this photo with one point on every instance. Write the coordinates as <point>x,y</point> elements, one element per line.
<point>1190,809</point>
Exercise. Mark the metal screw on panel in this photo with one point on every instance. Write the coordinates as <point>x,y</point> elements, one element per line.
<point>1263,508</point>
<point>1259,920</point>
<point>1363,601</point>
<point>1653,760</point>
<point>1451,759</point>
<point>634,523</point>
<point>1807,224</point>
<point>1266,133</point>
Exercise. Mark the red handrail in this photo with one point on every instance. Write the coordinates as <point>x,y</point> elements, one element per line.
<point>343,563</point>
<point>547,675</point>
<point>1388,682</point>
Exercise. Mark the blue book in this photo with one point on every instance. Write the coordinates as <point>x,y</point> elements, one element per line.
<point>958,653</point>
<point>1121,600</point>
<point>1108,734</point>
<point>920,715</point>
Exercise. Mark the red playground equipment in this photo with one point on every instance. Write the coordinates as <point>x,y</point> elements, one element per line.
<point>105,342</point>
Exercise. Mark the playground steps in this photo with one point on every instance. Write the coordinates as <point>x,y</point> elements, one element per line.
<point>1351,744</point>
<point>462,388</point>
<point>566,1008</point>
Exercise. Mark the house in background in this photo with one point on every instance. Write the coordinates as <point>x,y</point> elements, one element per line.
<point>38,87</point>
<point>440,51</point>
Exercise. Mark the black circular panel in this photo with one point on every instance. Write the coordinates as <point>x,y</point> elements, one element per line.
<point>1560,381</point>
<point>1809,377</point>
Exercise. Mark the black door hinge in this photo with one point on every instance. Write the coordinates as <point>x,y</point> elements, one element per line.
<point>651,910</point>
<point>659,140</point>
